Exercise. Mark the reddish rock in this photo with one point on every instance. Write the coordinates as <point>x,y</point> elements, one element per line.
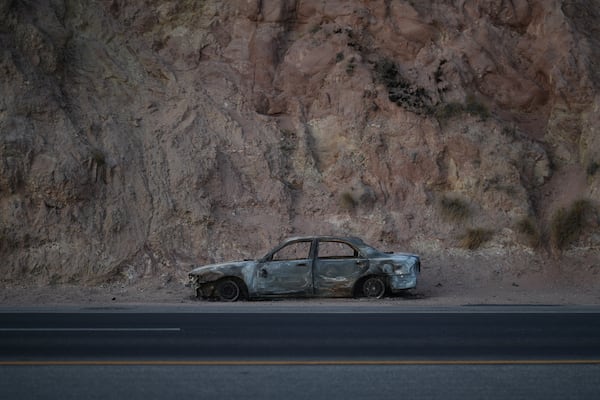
<point>147,136</point>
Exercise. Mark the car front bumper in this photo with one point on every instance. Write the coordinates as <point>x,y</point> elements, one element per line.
<point>399,283</point>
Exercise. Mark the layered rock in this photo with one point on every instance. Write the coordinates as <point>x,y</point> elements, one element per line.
<point>137,138</point>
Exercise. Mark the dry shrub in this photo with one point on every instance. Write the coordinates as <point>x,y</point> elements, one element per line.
<point>529,229</point>
<point>568,224</point>
<point>477,109</point>
<point>454,209</point>
<point>475,238</point>
<point>448,111</point>
<point>592,168</point>
<point>347,201</point>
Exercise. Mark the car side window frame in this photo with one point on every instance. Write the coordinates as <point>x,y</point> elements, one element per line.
<point>356,252</point>
<point>271,256</point>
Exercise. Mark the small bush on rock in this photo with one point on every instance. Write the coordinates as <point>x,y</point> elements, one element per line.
<point>475,238</point>
<point>568,224</point>
<point>529,229</point>
<point>592,168</point>
<point>347,201</point>
<point>454,209</point>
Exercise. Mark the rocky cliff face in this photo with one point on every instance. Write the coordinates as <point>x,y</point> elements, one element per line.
<point>137,138</point>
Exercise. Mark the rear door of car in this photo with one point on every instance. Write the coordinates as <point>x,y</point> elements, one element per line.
<point>288,271</point>
<point>338,265</point>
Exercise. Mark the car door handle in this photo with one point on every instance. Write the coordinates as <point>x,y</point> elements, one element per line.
<point>301,265</point>
<point>263,273</point>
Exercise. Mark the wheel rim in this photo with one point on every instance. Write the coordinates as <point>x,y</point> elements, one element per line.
<point>374,288</point>
<point>229,291</point>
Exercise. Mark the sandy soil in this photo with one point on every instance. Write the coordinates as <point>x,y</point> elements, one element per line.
<point>446,280</point>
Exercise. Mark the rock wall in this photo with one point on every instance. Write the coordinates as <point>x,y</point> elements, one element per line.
<point>140,137</point>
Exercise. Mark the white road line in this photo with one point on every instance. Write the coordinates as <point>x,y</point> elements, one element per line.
<point>209,363</point>
<point>90,329</point>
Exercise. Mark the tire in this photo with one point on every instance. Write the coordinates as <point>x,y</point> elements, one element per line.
<point>373,287</point>
<point>228,290</point>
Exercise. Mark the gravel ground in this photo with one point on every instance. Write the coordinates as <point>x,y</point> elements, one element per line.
<point>448,280</point>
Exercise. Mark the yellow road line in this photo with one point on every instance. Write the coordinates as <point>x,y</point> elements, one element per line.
<point>291,362</point>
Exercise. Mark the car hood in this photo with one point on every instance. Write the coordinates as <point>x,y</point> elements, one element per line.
<point>214,271</point>
<point>405,255</point>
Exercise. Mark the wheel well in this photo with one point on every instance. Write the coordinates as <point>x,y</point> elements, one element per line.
<point>239,281</point>
<point>357,290</point>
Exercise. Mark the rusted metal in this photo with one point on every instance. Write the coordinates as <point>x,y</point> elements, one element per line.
<point>314,266</point>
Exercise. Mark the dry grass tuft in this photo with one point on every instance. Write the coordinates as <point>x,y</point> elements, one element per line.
<point>446,111</point>
<point>98,157</point>
<point>568,224</point>
<point>475,238</point>
<point>347,201</point>
<point>454,209</point>
<point>477,109</point>
<point>592,168</point>
<point>529,229</point>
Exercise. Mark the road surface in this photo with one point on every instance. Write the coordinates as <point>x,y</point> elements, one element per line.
<point>445,353</point>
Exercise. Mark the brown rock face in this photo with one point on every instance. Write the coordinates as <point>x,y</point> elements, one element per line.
<point>137,138</point>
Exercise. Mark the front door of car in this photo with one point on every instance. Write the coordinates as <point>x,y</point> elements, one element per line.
<point>288,271</point>
<point>338,266</point>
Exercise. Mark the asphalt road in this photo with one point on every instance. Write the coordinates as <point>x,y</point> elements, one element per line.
<point>294,355</point>
<point>299,337</point>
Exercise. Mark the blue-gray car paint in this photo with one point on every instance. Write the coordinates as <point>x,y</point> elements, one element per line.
<point>312,276</point>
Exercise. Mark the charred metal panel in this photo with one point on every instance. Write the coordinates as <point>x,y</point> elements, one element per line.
<point>284,277</point>
<point>322,266</point>
<point>335,277</point>
<point>202,279</point>
<point>205,290</point>
<point>403,282</point>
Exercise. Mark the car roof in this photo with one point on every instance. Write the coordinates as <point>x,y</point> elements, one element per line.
<point>350,239</point>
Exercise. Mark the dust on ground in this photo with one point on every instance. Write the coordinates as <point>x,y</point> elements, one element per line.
<point>446,280</point>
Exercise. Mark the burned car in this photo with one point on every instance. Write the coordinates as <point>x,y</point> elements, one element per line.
<point>316,266</point>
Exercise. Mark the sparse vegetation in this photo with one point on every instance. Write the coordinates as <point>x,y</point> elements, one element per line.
<point>400,91</point>
<point>474,238</point>
<point>387,72</point>
<point>528,228</point>
<point>510,132</point>
<point>568,224</point>
<point>438,74</point>
<point>454,209</point>
<point>97,165</point>
<point>446,111</point>
<point>339,57</point>
<point>289,141</point>
<point>350,66</point>
<point>592,168</point>
<point>9,240</point>
<point>347,201</point>
<point>476,109</point>
<point>496,184</point>
<point>98,157</point>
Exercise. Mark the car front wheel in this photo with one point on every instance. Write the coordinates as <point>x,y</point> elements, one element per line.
<point>228,290</point>
<point>373,287</point>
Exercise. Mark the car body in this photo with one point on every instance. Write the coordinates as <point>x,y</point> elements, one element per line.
<point>310,266</point>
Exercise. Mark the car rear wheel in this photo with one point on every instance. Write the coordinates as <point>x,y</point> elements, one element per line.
<point>228,290</point>
<point>373,287</point>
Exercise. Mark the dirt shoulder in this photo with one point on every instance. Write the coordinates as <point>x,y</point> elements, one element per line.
<point>446,280</point>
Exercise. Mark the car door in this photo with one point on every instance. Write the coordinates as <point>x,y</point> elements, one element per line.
<point>338,265</point>
<point>288,271</point>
